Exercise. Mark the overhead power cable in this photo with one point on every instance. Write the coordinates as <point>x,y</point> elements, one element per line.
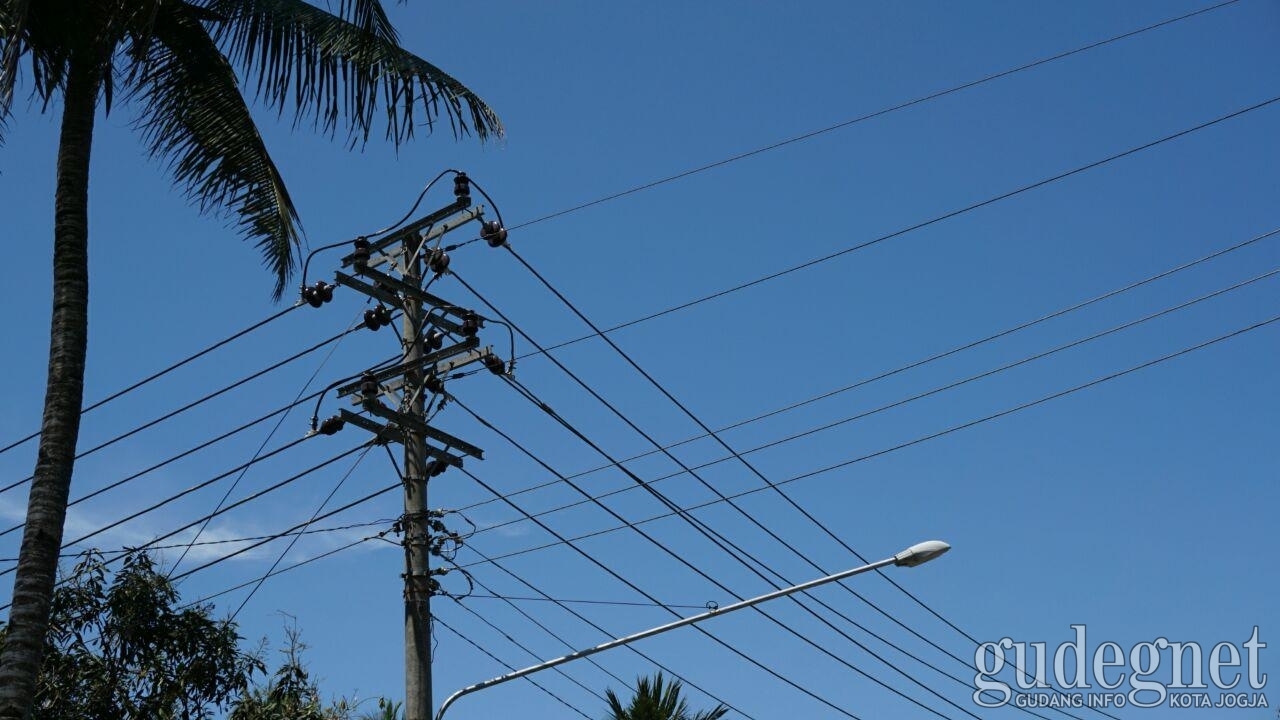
<point>172,498</point>
<point>910,443</point>
<point>537,623</point>
<point>735,551</point>
<point>227,541</point>
<point>297,398</point>
<point>537,658</point>
<point>878,113</point>
<point>195,403</point>
<point>161,373</point>
<point>542,595</point>
<point>748,561</point>
<point>172,459</point>
<point>495,658</point>
<point>295,535</point>
<point>934,391</point>
<point>761,476</point>
<point>301,563</point>
<point>680,512</point>
<point>571,544</point>
<point>580,601</point>
<point>911,365</point>
<point>272,488</point>
<point>882,408</point>
<point>284,533</point>
<point>920,225</point>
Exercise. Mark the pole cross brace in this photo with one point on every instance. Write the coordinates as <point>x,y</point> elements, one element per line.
<point>399,369</point>
<point>404,420</point>
<point>409,290</point>
<point>390,432</point>
<point>408,230</point>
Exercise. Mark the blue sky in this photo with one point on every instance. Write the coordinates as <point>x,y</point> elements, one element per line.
<point>1137,507</point>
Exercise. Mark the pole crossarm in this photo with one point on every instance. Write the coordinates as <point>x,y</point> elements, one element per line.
<point>434,360</point>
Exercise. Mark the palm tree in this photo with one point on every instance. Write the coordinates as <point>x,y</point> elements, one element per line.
<point>658,701</point>
<point>174,63</point>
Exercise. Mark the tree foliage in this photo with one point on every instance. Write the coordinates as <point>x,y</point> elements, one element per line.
<point>657,699</point>
<point>121,649</point>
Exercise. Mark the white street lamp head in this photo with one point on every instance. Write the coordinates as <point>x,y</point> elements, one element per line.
<point>920,553</point>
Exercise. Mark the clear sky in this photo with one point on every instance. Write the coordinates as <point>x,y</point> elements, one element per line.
<point>1141,507</point>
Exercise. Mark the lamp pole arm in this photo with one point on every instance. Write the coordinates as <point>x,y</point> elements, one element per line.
<point>896,559</point>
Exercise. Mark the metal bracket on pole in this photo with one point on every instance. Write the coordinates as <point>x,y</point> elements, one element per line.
<point>405,288</point>
<point>395,371</point>
<point>405,420</point>
<point>407,231</point>
<point>365,288</point>
<point>391,433</point>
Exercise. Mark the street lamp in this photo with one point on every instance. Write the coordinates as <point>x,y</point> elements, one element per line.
<point>917,554</point>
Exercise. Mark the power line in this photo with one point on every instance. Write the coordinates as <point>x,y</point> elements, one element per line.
<point>721,542</point>
<point>197,521</point>
<point>881,408</point>
<point>537,658</point>
<point>919,225</point>
<point>195,403</point>
<point>579,601</point>
<point>308,561</point>
<point>761,476</point>
<point>172,498</point>
<point>732,549</point>
<point>289,531</point>
<point>988,373</point>
<point>293,541</point>
<point>169,460</point>
<point>562,604</point>
<point>736,552</point>
<point>910,443</point>
<point>161,373</point>
<point>911,365</point>
<point>877,113</point>
<point>617,576</point>
<point>234,483</point>
<point>227,541</point>
<point>495,658</point>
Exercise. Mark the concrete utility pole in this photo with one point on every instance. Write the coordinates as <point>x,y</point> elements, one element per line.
<point>412,384</point>
<point>417,577</point>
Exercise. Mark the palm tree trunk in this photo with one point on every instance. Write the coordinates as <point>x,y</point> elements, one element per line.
<point>47,503</point>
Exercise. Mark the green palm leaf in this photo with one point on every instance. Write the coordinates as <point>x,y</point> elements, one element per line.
<point>333,71</point>
<point>191,114</point>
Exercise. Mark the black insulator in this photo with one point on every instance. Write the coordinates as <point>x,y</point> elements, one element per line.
<point>471,324</point>
<point>377,317</point>
<point>318,294</point>
<point>438,261</point>
<point>433,340</point>
<point>493,233</point>
<point>433,384</point>
<point>462,188</point>
<point>368,387</point>
<point>360,256</point>
<point>494,364</point>
<point>331,426</point>
<point>435,468</point>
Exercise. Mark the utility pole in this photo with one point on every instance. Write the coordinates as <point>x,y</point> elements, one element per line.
<point>417,573</point>
<point>394,270</point>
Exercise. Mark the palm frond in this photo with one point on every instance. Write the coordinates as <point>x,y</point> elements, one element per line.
<point>320,66</point>
<point>193,116</point>
<point>13,15</point>
<point>371,17</point>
